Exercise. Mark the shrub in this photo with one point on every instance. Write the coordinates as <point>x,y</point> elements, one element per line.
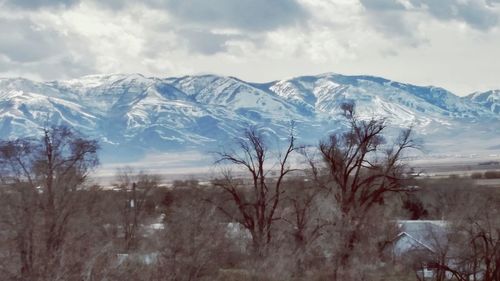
<point>476,175</point>
<point>492,175</point>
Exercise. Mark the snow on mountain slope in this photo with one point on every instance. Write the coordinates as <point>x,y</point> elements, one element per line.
<point>25,106</point>
<point>402,104</point>
<point>136,114</point>
<point>489,100</point>
<point>235,94</point>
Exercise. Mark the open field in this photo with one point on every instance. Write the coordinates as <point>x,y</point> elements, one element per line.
<point>460,167</point>
<point>488,182</point>
<point>442,168</point>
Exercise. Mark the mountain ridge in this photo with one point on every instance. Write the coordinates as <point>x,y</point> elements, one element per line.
<point>139,114</point>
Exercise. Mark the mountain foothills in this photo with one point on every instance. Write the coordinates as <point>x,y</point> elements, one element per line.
<point>132,115</point>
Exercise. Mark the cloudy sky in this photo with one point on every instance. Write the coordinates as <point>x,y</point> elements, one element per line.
<point>450,43</point>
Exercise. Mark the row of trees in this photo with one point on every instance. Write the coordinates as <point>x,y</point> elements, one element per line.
<point>333,220</point>
<point>357,173</point>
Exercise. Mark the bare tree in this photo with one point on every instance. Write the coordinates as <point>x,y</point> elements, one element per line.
<point>134,189</point>
<point>304,217</point>
<point>19,201</point>
<point>194,243</point>
<point>41,182</point>
<point>362,170</point>
<point>475,238</point>
<point>256,203</point>
<point>482,262</point>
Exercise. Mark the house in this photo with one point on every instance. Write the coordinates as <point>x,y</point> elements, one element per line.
<point>423,244</point>
<point>139,258</point>
<point>420,235</point>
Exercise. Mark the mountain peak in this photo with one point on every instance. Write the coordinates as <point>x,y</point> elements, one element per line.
<point>139,113</point>
<point>489,100</point>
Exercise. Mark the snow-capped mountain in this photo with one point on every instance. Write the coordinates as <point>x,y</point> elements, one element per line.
<point>136,114</point>
<point>489,100</point>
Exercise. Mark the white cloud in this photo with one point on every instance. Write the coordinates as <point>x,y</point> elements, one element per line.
<point>451,43</point>
<point>40,4</point>
<point>251,15</point>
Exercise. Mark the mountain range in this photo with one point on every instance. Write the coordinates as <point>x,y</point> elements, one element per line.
<point>132,115</point>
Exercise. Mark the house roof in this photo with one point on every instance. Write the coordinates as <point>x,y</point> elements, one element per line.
<point>421,234</point>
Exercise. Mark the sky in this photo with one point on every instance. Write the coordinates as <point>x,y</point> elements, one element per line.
<point>453,44</point>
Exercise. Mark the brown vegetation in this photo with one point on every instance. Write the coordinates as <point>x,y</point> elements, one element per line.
<point>336,220</point>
